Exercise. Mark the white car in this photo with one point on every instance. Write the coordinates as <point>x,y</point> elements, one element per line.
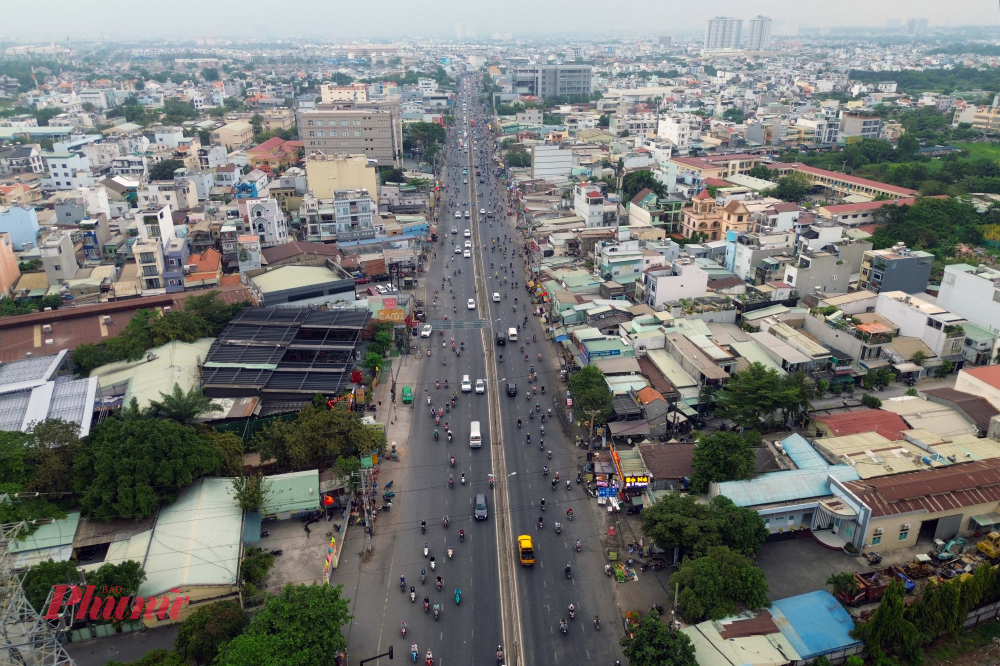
<point>480,386</point>
<point>465,181</point>
<point>458,215</point>
<point>468,254</point>
<point>466,214</point>
<point>466,384</point>
<point>454,230</point>
<point>472,304</point>
<point>458,249</point>
<point>468,233</point>
<point>425,332</point>
<point>496,297</point>
<point>482,211</point>
<point>468,245</point>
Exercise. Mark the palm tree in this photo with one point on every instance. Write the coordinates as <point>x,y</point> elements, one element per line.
<point>843,582</point>
<point>183,407</point>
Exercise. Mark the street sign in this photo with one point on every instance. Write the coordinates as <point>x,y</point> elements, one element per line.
<point>606,492</point>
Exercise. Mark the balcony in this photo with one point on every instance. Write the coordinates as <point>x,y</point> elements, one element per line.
<point>954,331</point>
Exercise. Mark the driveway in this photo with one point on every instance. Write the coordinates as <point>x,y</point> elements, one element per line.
<point>122,647</point>
<point>801,565</point>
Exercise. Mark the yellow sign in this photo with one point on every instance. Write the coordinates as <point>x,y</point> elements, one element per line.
<point>395,315</point>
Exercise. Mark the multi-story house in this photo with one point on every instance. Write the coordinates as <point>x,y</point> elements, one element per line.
<point>232,136</point>
<point>211,157</point>
<point>647,208</point>
<point>175,259</point>
<point>895,269</point>
<point>682,279</point>
<point>148,253</point>
<point>588,203</point>
<point>818,272</point>
<point>266,219</point>
<point>972,292</point>
<point>96,233</point>
<point>58,258</point>
<point>21,223</point>
<point>860,125</point>
<point>23,159</point>
<point>942,331</point>
<point>131,166</point>
<point>618,261</point>
<point>67,171</point>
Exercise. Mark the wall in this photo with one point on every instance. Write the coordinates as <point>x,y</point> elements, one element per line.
<point>970,296</point>
<point>21,224</point>
<point>890,526</point>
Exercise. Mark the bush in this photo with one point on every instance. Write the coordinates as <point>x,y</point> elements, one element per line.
<point>868,400</point>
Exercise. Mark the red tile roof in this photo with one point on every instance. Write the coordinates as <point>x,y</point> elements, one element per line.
<point>988,374</point>
<point>864,182</point>
<point>875,205</point>
<point>888,424</point>
<point>716,182</point>
<point>931,490</point>
<point>703,195</point>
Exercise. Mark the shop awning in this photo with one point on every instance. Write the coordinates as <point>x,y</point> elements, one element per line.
<point>629,428</point>
<point>987,519</point>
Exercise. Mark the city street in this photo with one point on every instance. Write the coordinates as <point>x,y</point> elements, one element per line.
<point>470,631</point>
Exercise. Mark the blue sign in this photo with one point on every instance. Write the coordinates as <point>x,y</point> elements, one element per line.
<point>606,492</point>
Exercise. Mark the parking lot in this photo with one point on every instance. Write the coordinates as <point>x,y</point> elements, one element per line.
<point>801,565</point>
<point>302,555</point>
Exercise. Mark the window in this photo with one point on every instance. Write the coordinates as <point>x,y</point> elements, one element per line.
<point>345,134</point>
<point>319,123</point>
<point>876,540</point>
<point>903,536</point>
<point>357,134</point>
<point>343,123</point>
<point>319,133</point>
<point>57,267</point>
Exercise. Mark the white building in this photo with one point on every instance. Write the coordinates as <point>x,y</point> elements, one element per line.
<point>552,163</point>
<point>67,171</point>
<point>723,32</point>
<point>972,292</point>
<point>168,137</point>
<point>58,258</point>
<point>938,328</point>
<point>682,279</point>
<point>266,220</point>
<point>759,35</point>
<point>588,203</point>
<point>131,166</point>
<point>677,130</point>
<point>155,223</point>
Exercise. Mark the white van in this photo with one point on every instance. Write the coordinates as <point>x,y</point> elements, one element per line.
<point>475,437</point>
<point>512,334</point>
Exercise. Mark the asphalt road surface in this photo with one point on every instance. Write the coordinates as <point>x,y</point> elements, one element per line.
<point>469,632</point>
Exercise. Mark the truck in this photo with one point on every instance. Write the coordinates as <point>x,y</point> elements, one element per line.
<point>990,546</point>
<point>920,567</point>
<point>870,588</point>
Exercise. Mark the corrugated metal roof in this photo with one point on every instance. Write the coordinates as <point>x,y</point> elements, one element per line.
<point>802,453</point>
<point>196,540</point>
<point>30,369</point>
<point>933,490</point>
<point>814,623</point>
<point>12,409</point>
<point>888,424</point>
<point>668,461</point>
<point>671,369</point>
<point>785,486</point>
<point>56,534</point>
<point>295,491</point>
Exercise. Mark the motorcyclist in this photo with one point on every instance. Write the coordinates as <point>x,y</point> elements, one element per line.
<point>567,570</point>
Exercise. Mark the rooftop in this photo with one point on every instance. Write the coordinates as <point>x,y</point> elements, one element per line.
<point>988,374</point>
<point>293,277</point>
<point>885,423</point>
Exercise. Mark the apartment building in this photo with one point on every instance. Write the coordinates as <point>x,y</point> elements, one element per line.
<point>327,173</point>
<point>814,272</point>
<point>759,35</point>
<point>636,124</point>
<point>232,136</point>
<point>723,32</point>
<point>349,216</point>
<point>986,119</point>
<point>175,259</point>
<point>331,93</point>
<point>346,129</point>
<point>942,331</point>
<point>972,292</point>
<point>859,126</point>
<point>682,279</point>
<point>96,232</point>
<point>545,81</point>
<point>694,170</point>
<point>58,258</point>
<point>588,203</point>
<point>895,269</point>
<point>677,130</point>
<point>67,171</point>
<point>148,253</point>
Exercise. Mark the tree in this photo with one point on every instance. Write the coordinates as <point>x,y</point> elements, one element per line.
<point>251,492</point>
<point>888,632</point>
<point>604,120</point>
<point>843,582</point>
<point>297,627</point>
<point>341,79</point>
<point>157,657</point>
<point>721,583</point>
<point>179,325</point>
<point>392,175</point>
<point>723,456</point>
<point>210,74</point>
<point>183,407</point>
<point>165,170</point>
<point>254,566</point>
<point>762,172</point>
<point>257,122</point>
<point>868,400</point>
<point>654,644</point>
<point>40,578</point>
<point>637,181</point>
<point>373,361</point>
<point>918,357</point>
<point>733,115</point>
<point>944,369</point>
<point>127,577</point>
<point>750,395</point>
<point>742,529</point>
<point>216,312</point>
<point>230,449</point>
<point>907,146</point>
<point>793,187</point>
<point>207,629</point>
<point>126,467</point>
<point>680,521</point>
<point>518,158</point>
<point>591,394</point>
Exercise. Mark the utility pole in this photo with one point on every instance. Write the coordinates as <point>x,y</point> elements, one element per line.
<point>367,497</point>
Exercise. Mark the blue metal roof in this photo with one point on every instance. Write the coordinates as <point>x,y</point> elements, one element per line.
<point>785,486</point>
<point>251,527</point>
<point>814,623</point>
<point>802,453</point>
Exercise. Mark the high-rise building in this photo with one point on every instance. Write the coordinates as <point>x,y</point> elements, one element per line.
<point>666,41</point>
<point>723,32</point>
<point>916,26</point>
<point>458,30</point>
<point>760,34</point>
<point>568,80</point>
<point>340,129</point>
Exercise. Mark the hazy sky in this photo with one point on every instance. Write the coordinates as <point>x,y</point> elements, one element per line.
<point>55,20</point>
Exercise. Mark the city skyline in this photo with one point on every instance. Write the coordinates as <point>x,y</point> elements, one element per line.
<point>423,19</point>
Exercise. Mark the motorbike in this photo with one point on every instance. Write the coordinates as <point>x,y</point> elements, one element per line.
<point>568,485</point>
<point>449,436</point>
<point>558,527</point>
<point>413,595</point>
<point>453,461</point>
<point>461,537</point>
<point>437,614</point>
<point>437,435</point>
<point>578,545</point>
<point>451,551</point>
<point>563,627</point>
<point>402,628</point>
<point>279,551</point>
<point>597,623</point>
<point>427,605</point>
<point>413,653</point>
<point>572,611</point>
<point>458,596</point>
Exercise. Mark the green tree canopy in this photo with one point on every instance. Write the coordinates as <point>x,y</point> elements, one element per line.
<point>127,577</point>
<point>207,629</point>
<point>721,583</point>
<point>165,170</point>
<point>41,577</point>
<point>299,627</point>
<point>888,632</point>
<point>251,492</point>
<point>126,467</point>
<point>793,187</point>
<point>681,521</point>
<point>315,434</point>
<point>635,182</point>
<point>653,644</point>
<point>591,394</point>
<point>723,456</point>
<point>183,407</point>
